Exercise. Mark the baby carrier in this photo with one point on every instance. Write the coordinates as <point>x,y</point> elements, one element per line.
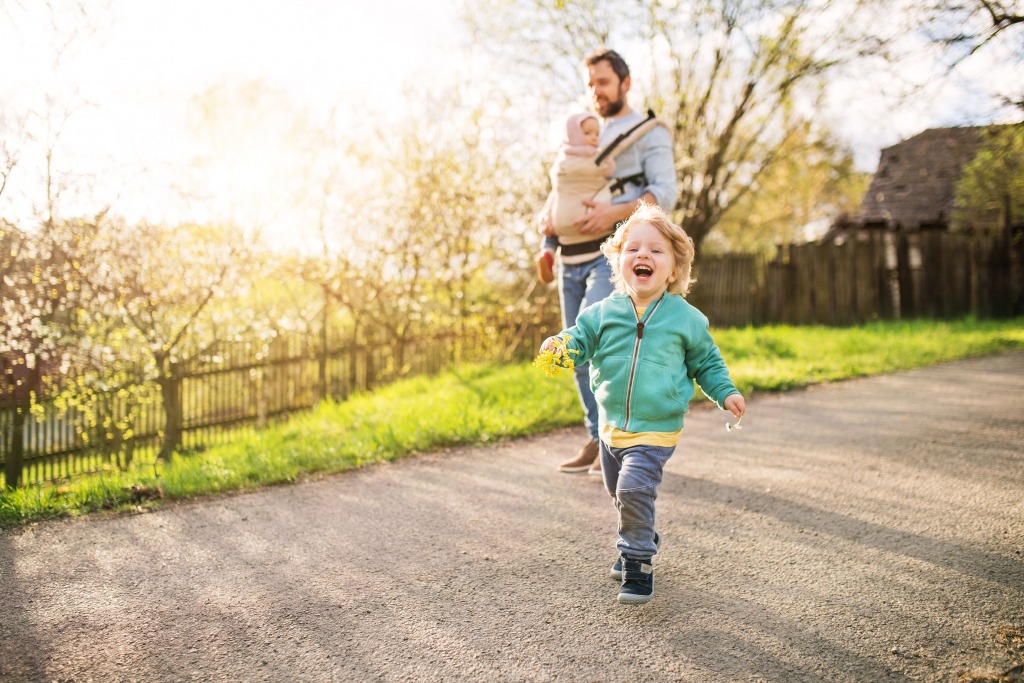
<point>586,178</point>
<point>622,143</point>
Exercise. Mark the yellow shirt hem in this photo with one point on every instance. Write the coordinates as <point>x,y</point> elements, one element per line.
<point>617,438</point>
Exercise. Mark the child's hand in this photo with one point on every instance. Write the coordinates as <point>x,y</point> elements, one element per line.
<point>735,404</point>
<point>554,357</point>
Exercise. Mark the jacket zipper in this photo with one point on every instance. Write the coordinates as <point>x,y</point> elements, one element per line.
<point>636,355</point>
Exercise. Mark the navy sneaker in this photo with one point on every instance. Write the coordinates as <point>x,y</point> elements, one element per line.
<point>616,571</point>
<point>637,581</point>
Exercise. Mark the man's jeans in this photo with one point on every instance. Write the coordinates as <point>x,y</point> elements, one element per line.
<point>631,476</point>
<point>580,285</point>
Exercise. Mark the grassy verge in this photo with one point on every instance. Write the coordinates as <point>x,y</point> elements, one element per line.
<point>777,358</point>
<point>480,404</point>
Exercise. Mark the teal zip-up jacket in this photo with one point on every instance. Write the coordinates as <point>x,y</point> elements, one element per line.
<point>642,370</point>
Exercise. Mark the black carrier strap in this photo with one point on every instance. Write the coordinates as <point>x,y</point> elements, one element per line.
<point>619,185</point>
<point>622,136</point>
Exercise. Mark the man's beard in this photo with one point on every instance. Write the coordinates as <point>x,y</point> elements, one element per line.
<point>610,108</point>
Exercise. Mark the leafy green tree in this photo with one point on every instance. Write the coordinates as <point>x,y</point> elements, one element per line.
<point>990,192</point>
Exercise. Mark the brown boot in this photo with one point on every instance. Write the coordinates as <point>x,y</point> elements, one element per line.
<point>583,460</point>
<point>595,468</point>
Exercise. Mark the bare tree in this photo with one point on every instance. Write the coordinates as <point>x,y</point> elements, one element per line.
<point>453,221</point>
<point>971,25</point>
<point>9,151</point>
<point>39,295</point>
<point>164,295</point>
<point>805,190</point>
<point>736,79</point>
<point>967,28</point>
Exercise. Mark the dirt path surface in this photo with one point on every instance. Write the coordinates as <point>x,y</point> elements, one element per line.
<point>870,530</point>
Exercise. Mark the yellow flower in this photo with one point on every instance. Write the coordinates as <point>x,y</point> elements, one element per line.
<point>560,358</point>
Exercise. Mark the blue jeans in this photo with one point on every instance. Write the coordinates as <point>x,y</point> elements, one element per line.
<point>631,477</point>
<point>580,285</point>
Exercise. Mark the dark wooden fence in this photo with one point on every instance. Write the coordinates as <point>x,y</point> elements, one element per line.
<point>729,289</point>
<point>870,276</point>
<point>873,276</point>
<point>241,386</point>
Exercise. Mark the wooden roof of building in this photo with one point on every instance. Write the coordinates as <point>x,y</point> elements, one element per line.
<point>915,184</point>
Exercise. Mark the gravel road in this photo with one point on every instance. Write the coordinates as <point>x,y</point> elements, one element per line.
<point>869,530</point>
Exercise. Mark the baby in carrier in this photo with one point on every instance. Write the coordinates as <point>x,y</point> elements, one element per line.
<point>574,177</point>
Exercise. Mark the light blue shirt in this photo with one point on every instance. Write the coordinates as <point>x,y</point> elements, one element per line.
<point>650,155</point>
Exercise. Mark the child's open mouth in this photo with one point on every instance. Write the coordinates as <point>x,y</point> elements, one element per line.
<point>643,271</point>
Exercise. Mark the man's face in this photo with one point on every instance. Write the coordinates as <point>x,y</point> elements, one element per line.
<point>607,92</point>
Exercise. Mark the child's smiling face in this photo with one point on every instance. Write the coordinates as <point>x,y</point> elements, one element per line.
<point>646,263</point>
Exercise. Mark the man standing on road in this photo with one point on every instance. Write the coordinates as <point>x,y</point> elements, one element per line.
<point>643,172</point>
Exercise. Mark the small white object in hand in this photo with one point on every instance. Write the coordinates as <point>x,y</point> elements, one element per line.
<point>730,427</point>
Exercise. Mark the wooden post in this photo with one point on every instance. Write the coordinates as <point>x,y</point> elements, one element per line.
<point>802,259</point>
<point>864,281</point>
<point>778,288</point>
<point>815,286</point>
<point>260,389</point>
<point>957,250</point>
<point>322,355</point>
<point>1003,294</point>
<point>1016,239</point>
<point>843,291</point>
<point>905,278</point>
<point>16,452</point>
<point>936,276</point>
<point>31,382</point>
<point>170,392</point>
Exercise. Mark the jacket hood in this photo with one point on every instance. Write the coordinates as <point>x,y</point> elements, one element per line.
<point>574,132</point>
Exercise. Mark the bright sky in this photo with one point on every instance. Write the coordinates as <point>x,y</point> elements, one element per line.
<point>869,118</point>
<point>143,63</point>
<point>139,69</point>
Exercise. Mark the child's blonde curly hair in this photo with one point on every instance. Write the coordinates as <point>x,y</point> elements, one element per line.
<point>682,246</point>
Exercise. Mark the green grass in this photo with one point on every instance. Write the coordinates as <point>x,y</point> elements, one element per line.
<point>487,403</point>
<point>777,358</point>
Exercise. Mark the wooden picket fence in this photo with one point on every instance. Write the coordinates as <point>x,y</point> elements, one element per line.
<point>247,385</point>
<point>240,386</point>
<point>870,276</point>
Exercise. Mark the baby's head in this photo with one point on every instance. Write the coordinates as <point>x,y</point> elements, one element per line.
<point>591,130</point>
<point>679,242</point>
<point>583,129</point>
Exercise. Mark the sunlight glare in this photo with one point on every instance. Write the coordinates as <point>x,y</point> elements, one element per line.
<point>134,74</point>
